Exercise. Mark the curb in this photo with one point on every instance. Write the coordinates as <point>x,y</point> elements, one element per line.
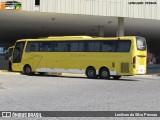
<point>3,70</point>
<point>7,72</point>
<point>147,75</point>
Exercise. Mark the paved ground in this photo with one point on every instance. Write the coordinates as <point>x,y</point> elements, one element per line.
<point>68,93</point>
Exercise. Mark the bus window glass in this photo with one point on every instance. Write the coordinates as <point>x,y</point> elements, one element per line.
<point>32,47</point>
<point>18,51</point>
<point>63,46</point>
<point>48,46</point>
<point>93,46</point>
<point>81,46</point>
<point>141,43</point>
<point>74,46</point>
<point>107,46</point>
<point>123,46</point>
<point>45,46</point>
<point>54,46</point>
<point>41,47</point>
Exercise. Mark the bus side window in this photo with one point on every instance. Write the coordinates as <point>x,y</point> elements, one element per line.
<point>63,47</point>
<point>108,46</point>
<point>74,46</point>
<point>41,47</point>
<point>123,46</point>
<point>93,46</point>
<point>28,48</point>
<point>54,46</point>
<point>81,46</point>
<point>32,48</point>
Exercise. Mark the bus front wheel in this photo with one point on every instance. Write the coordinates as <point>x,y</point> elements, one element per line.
<point>104,73</point>
<point>27,70</point>
<point>91,72</point>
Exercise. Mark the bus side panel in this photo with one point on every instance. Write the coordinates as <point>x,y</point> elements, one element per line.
<point>59,61</point>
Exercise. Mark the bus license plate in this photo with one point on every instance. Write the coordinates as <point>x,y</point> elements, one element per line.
<point>141,70</point>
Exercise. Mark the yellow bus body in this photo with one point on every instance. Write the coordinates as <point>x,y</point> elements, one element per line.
<point>118,63</point>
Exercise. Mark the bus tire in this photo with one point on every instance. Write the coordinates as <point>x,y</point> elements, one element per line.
<point>116,77</point>
<point>27,70</point>
<point>91,73</point>
<point>104,73</point>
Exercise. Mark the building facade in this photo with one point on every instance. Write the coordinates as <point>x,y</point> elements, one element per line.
<point>146,9</point>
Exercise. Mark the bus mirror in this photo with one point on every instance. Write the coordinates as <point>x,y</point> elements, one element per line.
<point>16,52</point>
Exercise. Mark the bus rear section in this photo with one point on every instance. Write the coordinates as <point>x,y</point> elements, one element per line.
<point>140,56</point>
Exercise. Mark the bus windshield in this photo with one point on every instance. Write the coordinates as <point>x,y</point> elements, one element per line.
<point>141,44</point>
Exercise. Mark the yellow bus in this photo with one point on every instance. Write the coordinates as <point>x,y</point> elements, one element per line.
<point>102,57</point>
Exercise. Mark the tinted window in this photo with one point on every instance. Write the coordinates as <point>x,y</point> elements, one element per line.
<point>45,46</point>
<point>32,47</point>
<point>141,43</point>
<point>94,46</point>
<point>63,46</point>
<point>123,46</point>
<point>107,46</point>
<point>54,46</point>
<point>79,46</point>
<point>74,47</point>
<point>18,51</point>
<point>82,47</point>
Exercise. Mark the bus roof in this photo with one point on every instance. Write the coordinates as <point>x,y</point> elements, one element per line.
<point>61,38</point>
<point>51,37</point>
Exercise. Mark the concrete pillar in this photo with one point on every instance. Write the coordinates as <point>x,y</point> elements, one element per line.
<point>101,31</point>
<point>120,31</point>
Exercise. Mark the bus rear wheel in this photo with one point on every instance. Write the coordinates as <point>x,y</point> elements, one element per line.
<point>116,77</point>
<point>104,73</point>
<point>91,73</point>
<point>27,70</point>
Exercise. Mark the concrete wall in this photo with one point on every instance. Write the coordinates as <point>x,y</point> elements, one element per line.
<point>121,8</point>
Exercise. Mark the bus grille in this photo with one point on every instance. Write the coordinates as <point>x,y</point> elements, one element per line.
<point>124,67</point>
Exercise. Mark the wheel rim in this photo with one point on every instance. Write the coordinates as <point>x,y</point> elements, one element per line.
<point>91,73</point>
<point>28,70</point>
<point>104,73</point>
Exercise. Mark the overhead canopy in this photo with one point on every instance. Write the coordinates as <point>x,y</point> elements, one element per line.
<point>16,25</point>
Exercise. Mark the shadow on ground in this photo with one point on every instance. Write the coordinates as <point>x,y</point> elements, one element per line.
<point>83,77</point>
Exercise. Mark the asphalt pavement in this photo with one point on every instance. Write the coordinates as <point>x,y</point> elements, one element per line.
<point>77,93</point>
